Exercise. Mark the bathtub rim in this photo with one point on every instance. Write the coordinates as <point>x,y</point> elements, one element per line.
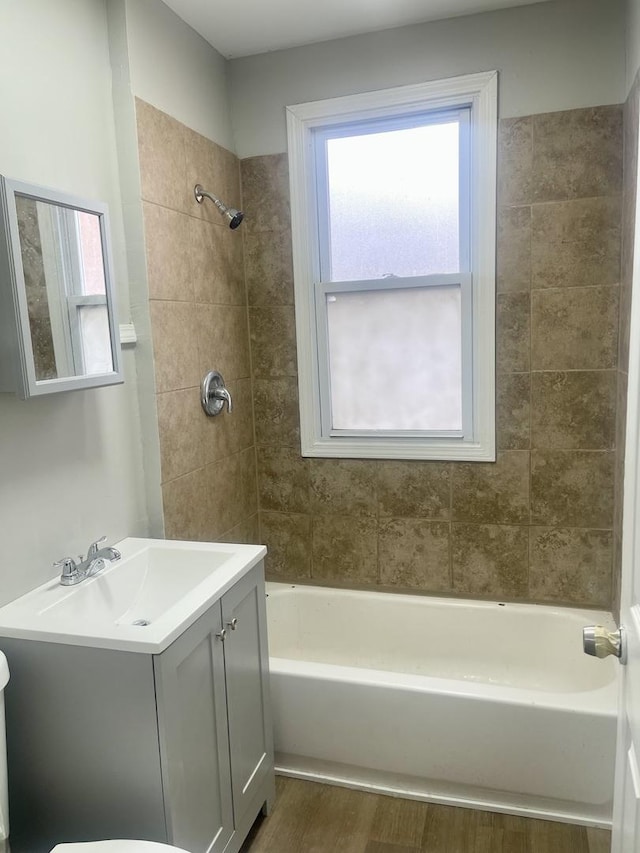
<point>601,701</point>
<point>273,587</point>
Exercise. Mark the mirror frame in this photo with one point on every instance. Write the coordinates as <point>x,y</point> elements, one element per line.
<point>17,364</point>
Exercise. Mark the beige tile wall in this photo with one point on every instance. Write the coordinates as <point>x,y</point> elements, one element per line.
<point>199,322</point>
<point>630,168</point>
<point>539,523</point>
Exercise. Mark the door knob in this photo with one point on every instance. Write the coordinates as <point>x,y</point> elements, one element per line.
<point>599,642</point>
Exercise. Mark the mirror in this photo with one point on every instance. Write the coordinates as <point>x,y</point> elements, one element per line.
<point>55,267</point>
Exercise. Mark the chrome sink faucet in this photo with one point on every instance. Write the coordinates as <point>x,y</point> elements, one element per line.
<point>75,571</point>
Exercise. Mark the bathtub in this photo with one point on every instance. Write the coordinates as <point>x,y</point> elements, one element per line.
<point>472,703</point>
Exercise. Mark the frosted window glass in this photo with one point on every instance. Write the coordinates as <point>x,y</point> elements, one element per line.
<point>90,240</point>
<point>395,359</point>
<point>95,339</point>
<point>394,203</point>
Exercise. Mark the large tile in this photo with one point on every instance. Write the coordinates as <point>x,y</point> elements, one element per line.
<point>492,492</point>
<point>288,540</point>
<point>231,171</point>
<point>413,489</point>
<point>161,149</point>
<point>570,565</point>
<point>576,243</point>
<point>343,486</point>
<point>414,554</point>
<point>225,434</point>
<point>513,332</point>
<point>514,249</point>
<point>630,166</point>
<point>166,235</point>
<point>180,425</point>
<point>621,428</point>
<point>616,576</point>
<point>345,549</point>
<point>175,351</point>
<point>632,108</point>
<point>618,504</point>
<point>513,411</point>
<point>247,532</point>
<point>269,268</point>
<point>574,328</point>
<point>265,193</point>
<point>624,324</point>
<point>223,340</point>
<point>186,507</point>
<point>490,560</point>
<point>233,490</point>
<point>273,341</point>
<point>577,153</point>
<point>572,488</point>
<point>276,411</point>
<point>205,164</point>
<point>284,480</point>
<point>515,160</point>
<point>574,410</point>
<point>215,262</point>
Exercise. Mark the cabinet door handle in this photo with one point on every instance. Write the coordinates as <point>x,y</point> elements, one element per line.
<point>233,624</point>
<point>222,634</point>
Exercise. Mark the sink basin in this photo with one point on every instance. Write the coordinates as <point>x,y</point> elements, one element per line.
<point>141,602</point>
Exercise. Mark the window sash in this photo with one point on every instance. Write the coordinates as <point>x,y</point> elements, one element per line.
<point>322,135</point>
<point>480,91</point>
<point>321,344</point>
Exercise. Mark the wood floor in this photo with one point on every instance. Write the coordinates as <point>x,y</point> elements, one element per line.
<point>313,818</point>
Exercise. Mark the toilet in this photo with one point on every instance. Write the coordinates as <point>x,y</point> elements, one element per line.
<point>113,846</point>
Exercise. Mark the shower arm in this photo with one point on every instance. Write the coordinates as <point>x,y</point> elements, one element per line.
<point>234,216</point>
<point>201,193</point>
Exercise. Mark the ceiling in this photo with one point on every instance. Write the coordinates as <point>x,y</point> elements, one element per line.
<point>247,27</point>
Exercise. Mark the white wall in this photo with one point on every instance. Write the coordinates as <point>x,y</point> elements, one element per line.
<point>632,30</point>
<point>551,56</point>
<point>177,71</point>
<point>70,464</point>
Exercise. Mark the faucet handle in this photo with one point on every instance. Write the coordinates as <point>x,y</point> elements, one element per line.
<point>93,548</point>
<point>69,568</point>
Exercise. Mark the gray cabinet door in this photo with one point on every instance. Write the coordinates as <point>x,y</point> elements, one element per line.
<point>247,665</point>
<point>192,719</point>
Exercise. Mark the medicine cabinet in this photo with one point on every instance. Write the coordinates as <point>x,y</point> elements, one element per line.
<point>58,329</point>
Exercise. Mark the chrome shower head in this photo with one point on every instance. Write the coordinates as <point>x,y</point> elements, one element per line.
<point>234,216</point>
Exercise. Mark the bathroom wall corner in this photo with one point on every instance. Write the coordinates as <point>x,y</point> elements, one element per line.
<point>129,172</point>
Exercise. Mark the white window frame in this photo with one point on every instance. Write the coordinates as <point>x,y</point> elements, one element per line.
<point>476,441</point>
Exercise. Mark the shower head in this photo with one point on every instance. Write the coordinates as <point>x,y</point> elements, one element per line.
<point>234,216</point>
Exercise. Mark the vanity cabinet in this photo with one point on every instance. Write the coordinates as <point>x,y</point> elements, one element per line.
<point>175,747</point>
<point>214,723</point>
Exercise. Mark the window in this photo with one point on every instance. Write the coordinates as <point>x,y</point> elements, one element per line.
<point>393,220</point>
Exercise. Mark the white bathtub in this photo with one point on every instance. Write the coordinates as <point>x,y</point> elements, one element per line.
<point>471,703</point>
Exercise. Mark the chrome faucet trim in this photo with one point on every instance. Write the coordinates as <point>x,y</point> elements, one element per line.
<point>75,571</point>
<point>108,553</point>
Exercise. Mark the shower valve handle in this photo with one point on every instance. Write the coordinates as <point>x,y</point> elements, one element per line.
<point>213,394</point>
<point>223,395</point>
